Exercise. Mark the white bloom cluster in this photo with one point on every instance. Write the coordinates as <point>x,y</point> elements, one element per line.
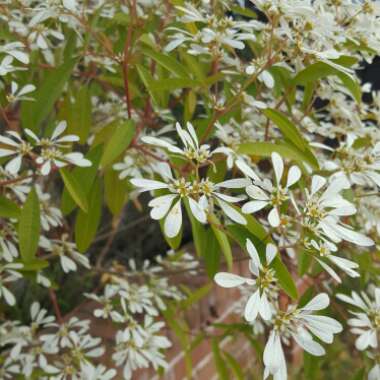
<point>40,344</point>
<point>296,323</point>
<point>51,151</point>
<point>139,345</point>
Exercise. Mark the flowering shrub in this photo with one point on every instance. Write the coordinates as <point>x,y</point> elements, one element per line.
<point>229,123</point>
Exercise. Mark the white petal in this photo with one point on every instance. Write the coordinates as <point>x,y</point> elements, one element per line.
<point>367,339</point>
<point>252,307</point>
<point>267,78</point>
<point>278,166</point>
<point>197,211</point>
<point>309,345</point>
<point>264,308</point>
<point>293,176</point>
<point>330,271</point>
<point>253,206</point>
<point>251,249</point>
<point>191,130</point>
<point>8,296</point>
<point>161,205</point>
<point>246,169</point>
<point>232,213</point>
<point>173,221</point>
<point>274,217</point>
<point>148,184</point>
<point>319,302</point>
<point>228,280</point>
<point>236,183</point>
<point>351,236</point>
<point>59,129</point>
<point>270,254</point>
<point>257,193</point>
<point>317,182</point>
<point>14,165</point>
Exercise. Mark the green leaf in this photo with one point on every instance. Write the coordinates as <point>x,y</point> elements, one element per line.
<point>81,119</point>
<point>304,261</point>
<point>219,362</point>
<point>234,365</point>
<point>115,191</point>
<point>84,176</point>
<point>8,208</point>
<point>170,84</point>
<point>29,227</point>
<point>217,172</point>
<point>211,253</point>
<point>311,366</point>
<point>359,374</point>
<point>290,132</point>
<point>321,70</point>
<point>287,128</point>
<point>33,265</point>
<point>74,188</point>
<point>167,62</point>
<point>265,149</point>
<point>195,66</point>
<point>190,104</point>
<point>148,81</point>
<point>284,278</point>
<point>47,93</point>
<point>119,141</point>
<point>87,223</point>
<point>246,12</point>
<point>222,239</point>
<point>196,296</point>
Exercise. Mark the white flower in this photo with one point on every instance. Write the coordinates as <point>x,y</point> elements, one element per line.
<point>360,166</point>
<point>204,190</point>
<point>298,324</point>
<point>99,372</point>
<point>52,153</point>
<point>40,34</point>
<point>192,150</point>
<point>265,194</point>
<point>14,147</point>
<point>138,346</point>
<point>136,299</point>
<point>6,66</point>
<point>365,323</point>
<point>210,192</point>
<point>324,248</point>
<point>66,250</point>
<point>8,242</point>
<point>19,94</point>
<point>61,337</point>
<point>324,210</point>
<point>39,316</point>
<point>14,49</point>
<point>374,373</point>
<point>8,273</point>
<point>9,369</point>
<point>264,286</point>
<point>265,76</point>
<point>162,206</point>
